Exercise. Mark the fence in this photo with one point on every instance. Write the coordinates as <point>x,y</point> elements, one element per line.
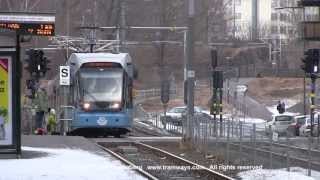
<point>246,143</point>
<point>252,71</point>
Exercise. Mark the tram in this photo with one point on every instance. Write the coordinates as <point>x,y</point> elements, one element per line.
<point>99,96</point>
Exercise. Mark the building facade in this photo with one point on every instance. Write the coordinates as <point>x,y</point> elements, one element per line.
<point>245,18</point>
<point>266,16</point>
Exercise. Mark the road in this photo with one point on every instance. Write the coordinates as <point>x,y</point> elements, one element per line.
<point>255,109</point>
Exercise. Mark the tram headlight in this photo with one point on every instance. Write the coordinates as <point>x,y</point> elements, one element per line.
<point>86,106</point>
<point>116,105</point>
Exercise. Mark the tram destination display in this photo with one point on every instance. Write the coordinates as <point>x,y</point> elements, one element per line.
<point>28,24</point>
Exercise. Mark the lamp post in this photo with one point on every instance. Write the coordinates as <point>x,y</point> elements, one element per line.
<point>190,73</point>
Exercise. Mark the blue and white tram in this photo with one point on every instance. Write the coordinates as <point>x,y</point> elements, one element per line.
<point>100,93</point>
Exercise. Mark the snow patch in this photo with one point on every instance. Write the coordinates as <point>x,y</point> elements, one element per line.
<point>288,103</point>
<point>252,120</point>
<point>296,173</point>
<point>65,164</point>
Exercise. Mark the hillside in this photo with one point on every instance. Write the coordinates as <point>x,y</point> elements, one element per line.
<point>270,90</point>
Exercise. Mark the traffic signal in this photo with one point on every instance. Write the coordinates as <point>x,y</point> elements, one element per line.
<point>43,64</point>
<point>31,62</point>
<point>311,61</point>
<point>37,63</point>
<point>214,58</point>
<point>217,77</point>
<point>165,92</point>
<point>185,92</point>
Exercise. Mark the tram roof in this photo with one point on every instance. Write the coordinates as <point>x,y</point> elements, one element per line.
<point>77,59</point>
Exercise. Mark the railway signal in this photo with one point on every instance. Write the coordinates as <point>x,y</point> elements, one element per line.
<point>311,61</point>
<point>37,63</point>
<point>43,65</point>
<point>165,92</point>
<point>214,58</point>
<point>31,62</point>
<point>311,66</point>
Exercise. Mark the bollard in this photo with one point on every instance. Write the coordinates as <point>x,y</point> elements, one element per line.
<point>215,124</point>
<point>211,128</point>
<point>216,134</point>
<point>228,143</point>
<point>177,128</point>
<point>232,127</point>
<point>224,128</point>
<point>271,146</point>
<point>240,141</point>
<point>158,120</point>
<point>288,148</point>
<point>254,144</point>
<point>238,128</point>
<point>318,132</point>
<point>206,138</point>
<point>309,156</point>
<point>197,131</point>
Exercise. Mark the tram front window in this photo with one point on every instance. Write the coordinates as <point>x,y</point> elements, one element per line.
<point>101,85</point>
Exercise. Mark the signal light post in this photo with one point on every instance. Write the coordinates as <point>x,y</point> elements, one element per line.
<point>217,85</point>
<point>311,67</point>
<point>37,66</point>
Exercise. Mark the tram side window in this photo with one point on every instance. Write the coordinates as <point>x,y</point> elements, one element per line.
<point>129,89</point>
<point>70,95</point>
<point>75,91</point>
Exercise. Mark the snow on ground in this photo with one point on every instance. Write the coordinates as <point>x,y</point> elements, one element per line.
<point>296,173</point>
<point>288,103</point>
<point>66,164</point>
<point>252,120</point>
<point>274,111</point>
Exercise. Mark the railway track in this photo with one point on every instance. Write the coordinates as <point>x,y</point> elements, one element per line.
<point>299,157</point>
<point>154,163</point>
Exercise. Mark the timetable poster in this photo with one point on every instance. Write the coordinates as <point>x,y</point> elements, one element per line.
<point>6,126</point>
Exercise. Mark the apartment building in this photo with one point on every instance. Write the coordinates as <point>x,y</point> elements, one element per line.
<point>242,17</point>
<point>271,22</point>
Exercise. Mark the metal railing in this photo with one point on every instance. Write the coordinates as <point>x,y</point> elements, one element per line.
<point>246,143</point>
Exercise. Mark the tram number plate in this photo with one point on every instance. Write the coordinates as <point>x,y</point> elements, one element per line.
<point>102,121</point>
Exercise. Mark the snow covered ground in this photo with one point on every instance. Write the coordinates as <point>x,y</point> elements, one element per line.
<point>252,120</point>
<point>288,103</point>
<point>68,164</point>
<point>296,173</point>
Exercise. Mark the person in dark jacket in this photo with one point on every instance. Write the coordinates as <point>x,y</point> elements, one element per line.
<point>281,107</point>
<point>41,106</point>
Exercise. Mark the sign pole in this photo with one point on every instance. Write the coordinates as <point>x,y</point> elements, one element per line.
<point>220,110</point>
<point>312,107</point>
<point>17,104</point>
<point>64,79</point>
<point>190,78</point>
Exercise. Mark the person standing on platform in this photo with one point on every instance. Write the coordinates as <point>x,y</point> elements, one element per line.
<point>52,121</point>
<point>41,106</point>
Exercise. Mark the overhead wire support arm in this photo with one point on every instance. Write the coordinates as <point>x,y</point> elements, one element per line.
<point>172,28</point>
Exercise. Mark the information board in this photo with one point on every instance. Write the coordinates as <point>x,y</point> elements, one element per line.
<point>6,125</point>
<point>28,23</point>
<point>64,75</point>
